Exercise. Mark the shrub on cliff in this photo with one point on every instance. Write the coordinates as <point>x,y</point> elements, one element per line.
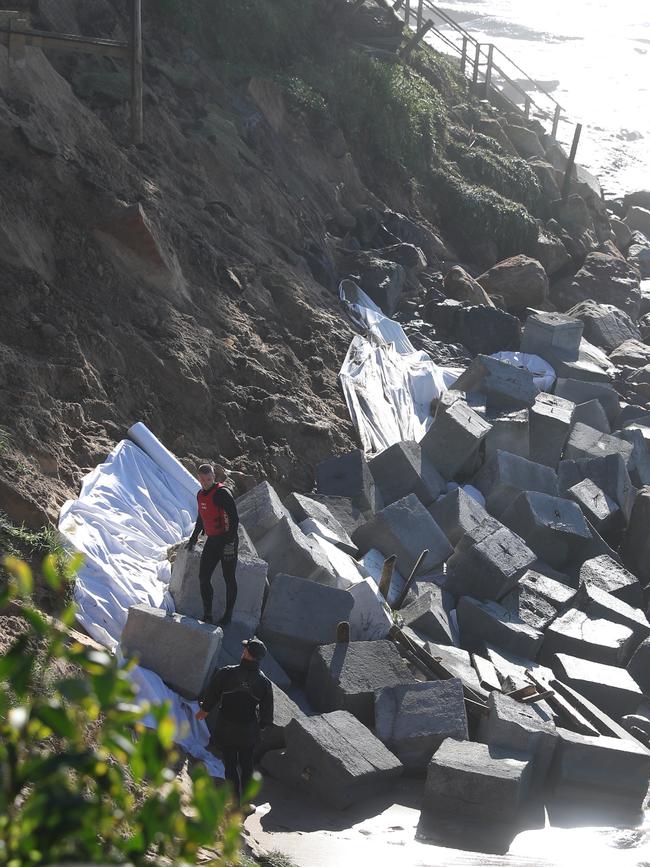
<point>510,176</point>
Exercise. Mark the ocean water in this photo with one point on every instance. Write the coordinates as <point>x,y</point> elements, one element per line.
<point>594,57</point>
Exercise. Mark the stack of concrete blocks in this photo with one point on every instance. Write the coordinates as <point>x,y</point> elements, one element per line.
<point>454,438</point>
<point>251,577</point>
<point>346,676</point>
<point>349,475</point>
<point>405,528</point>
<point>403,469</point>
<point>299,616</point>
<point>414,719</point>
<point>181,651</point>
<point>335,758</point>
<point>608,473</point>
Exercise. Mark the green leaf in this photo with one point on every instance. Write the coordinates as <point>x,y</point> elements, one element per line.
<point>51,571</point>
<point>56,719</point>
<point>21,573</point>
<point>166,731</point>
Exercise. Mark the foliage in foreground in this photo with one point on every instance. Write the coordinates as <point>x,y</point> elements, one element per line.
<point>81,778</point>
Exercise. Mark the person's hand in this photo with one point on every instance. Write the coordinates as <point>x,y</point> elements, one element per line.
<point>201,714</point>
<point>190,545</point>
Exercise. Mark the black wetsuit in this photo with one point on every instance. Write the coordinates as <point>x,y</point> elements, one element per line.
<point>213,553</point>
<point>239,702</point>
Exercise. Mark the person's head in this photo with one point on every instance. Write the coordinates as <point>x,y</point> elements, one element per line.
<point>254,650</point>
<point>206,476</point>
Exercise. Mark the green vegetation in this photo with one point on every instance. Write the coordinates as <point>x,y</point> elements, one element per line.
<point>23,542</point>
<point>81,778</point>
<point>509,176</point>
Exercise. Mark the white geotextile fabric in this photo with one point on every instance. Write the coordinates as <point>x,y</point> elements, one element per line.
<point>543,372</point>
<point>387,383</point>
<point>129,511</point>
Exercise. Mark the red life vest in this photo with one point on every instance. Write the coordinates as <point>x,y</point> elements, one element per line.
<point>215,518</point>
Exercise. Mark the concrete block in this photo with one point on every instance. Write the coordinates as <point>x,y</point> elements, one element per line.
<point>512,726</point>
<point>370,619</point>
<point>321,520</point>
<point>231,651</point>
<point>505,475</point>
<point>259,510</point>
<point>490,567</point>
<point>346,676</point>
<point>428,616</point>
<point>597,603</point>
<point>612,689</point>
<point>554,528</point>
<point>580,392</point>
<point>639,666</point>
<point>636,542</point>
<point>284,710</point>
<point>335,758</point>
<point>550,422</point>
<point>345,568</point>
<point>592,414</point>
<point>348,475</point>
<point>486,673</point>
<point>286,549</point>
<point>405,528</point>
<point>592,365</point>
<point>503,384</point>
<point>608,575</point>
<point>509,432</point>
<point>639,464</point>
<point>454,437</point>
<point>251,577</point>
<point>552,332</point>
<point>344,510</point>
<point>538,599</point>
<point>300,615</point>
<point>481,622</point>
<point>403,469</point>
<point>592,638</point>
<point>458,662</point>
<point>587,442</point>
<point>603,512</point>
<point>458,514</point>
<point>512,668</point>
<point>181,651</point>
<point>599,776</point>
<point>472,781</point>
<point>414,719</point>
<point>609,473</point>
<point>373,562</point>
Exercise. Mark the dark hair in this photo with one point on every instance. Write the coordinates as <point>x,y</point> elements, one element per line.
<point>206,469</point>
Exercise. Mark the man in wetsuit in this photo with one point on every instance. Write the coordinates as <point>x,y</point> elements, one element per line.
<point>238,704</point>
<point>219,520</point>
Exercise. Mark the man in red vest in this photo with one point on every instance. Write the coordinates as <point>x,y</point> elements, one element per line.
<point>219,520</point>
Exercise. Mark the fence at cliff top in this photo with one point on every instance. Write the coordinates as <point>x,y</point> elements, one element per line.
<point>483,63</point>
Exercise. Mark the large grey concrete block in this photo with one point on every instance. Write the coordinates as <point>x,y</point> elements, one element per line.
<point>608,575</point>
<point>405,528</point>
<point>586,442</point>
<point>604,513</point>
<point>304,509</point>
<point>512,726</point>
<point>373,562</point>
<point>370,618</point>
<point>181,651</point>
<point>454,436</point>
<point>458,662</point>
<point>593,638</point>
<point>609,473</point>
<point>348,475</point>
<point>489,567</point>
<point>639,666</point>
<point>552,333</point>
<point>251,577</point>
<point>346,676</point>
<point>592,365</point>
<point>554,528</point>
<point>503,384</point>
<point>596,603</point>
<point>300,615</point>
<point>284,710</point>
<point>592,414</point>
<point>428,615</point>
<point>457,513</point>
<point>334,757</point>
<point>344,510</point>
<point>550,422</point>
<point>611,688</point>
<point>639,463</point>
<point>538,599</point>
<point>473,781</point>
<point>510,432</point>
<point>414,719</point>
<point>636,542</point>
<point>259,510</point>
<point>599,773</point>
<point>580,392</point>
<point>403,469</point>
<point>231,650</point>
<point>286,549</point>
<point>481,622</point>
<point>505,475</point>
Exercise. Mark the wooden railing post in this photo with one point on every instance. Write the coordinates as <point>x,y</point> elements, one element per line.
<point>566,186</point>
<point>463,57</point>
<point>527,107</point>
<point>556,121</point>
<point>477,60</point>
<point>407,13</point>
<point>488,71</point>
<point>137,118</point>
<point>420,13</point>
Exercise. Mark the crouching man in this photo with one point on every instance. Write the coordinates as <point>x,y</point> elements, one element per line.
<point>238,704</point>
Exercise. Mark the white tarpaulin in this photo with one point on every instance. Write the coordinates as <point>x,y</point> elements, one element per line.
<point>130,509</point>
<point>388,384</point>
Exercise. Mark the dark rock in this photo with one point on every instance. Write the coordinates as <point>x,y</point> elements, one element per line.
<point>636,543</point>
<point>520,281</point>
<point>382,280</point>
<point>604,279</point>
<point>481,329</point>
<point>460,286</point>
<point>604,324</point>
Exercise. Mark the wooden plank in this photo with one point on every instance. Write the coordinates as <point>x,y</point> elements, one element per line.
<point>67,42</point>
<point>407,49</point>
<point>400,599</point>
<point>137,117</point>
<point>564,708</point>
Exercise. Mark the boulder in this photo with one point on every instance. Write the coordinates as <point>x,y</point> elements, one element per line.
<point>605,325</point>
<point>637,219</point>
<point>639,198</point>
<point>573,213</point>
<point>639,256</point>
<point>428,616</point>
<point>461,287</point>
<point>605,279</point>
<point>622,233</point>
<point>547,177</point>
<point>592,365</point>
<point>520,281</point>
<point>284,710</point>
<point>481,329</point>
<point>419,234</point>
<point>380,279</point>
<point>492,127</point>
<point>586,442</point>
<point>410,257</point>
<point>592,414</point>
<point>346,510</point>
<point>414,719</point>
<point>525,141</point>
<point>631,353</point>
<point>551,253</point>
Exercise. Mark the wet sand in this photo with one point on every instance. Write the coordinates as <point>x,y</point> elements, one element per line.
<point>380,833</point>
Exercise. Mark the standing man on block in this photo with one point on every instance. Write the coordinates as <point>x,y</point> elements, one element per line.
<point>219,520</point>
<point>238,704</point>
